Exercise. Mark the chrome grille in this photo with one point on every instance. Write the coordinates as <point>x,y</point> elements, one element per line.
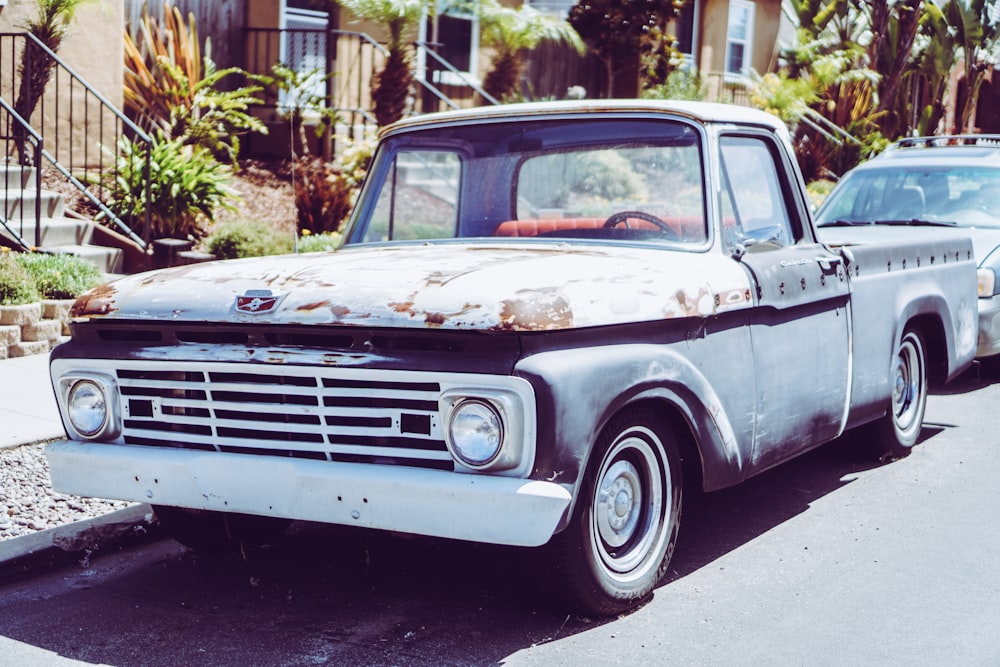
<point>337,414</point>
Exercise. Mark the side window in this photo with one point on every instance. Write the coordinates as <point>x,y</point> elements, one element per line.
<point>753,205</point>
<point>418,198</point>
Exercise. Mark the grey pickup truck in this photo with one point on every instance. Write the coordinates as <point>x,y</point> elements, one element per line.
<point>545,322</point>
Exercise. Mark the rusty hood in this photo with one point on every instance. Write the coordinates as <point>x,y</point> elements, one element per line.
<point>498,287</point>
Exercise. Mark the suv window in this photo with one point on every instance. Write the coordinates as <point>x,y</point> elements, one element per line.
<point>966,195</point>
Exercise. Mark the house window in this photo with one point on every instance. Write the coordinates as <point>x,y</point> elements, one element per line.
<point>684,29</point>
<point>454,35</point>
<point>739,37</point>
<point>558,8</point>
<point>303,49</point>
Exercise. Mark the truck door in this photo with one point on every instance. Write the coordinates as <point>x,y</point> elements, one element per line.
<point>800,330</point>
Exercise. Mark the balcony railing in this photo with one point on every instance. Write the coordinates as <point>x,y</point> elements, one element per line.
<point>344,62</point>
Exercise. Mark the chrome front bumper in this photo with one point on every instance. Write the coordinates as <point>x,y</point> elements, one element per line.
<point>480,508</point>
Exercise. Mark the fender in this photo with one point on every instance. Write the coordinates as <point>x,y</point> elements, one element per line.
<point>572,412</point>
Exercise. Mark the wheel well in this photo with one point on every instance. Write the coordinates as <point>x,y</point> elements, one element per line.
<point>931,332</point>
<point>677,424</point>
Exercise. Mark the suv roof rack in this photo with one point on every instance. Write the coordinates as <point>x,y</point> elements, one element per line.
<point>948,140</point>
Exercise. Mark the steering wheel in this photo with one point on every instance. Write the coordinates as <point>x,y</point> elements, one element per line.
<point>616,219</point>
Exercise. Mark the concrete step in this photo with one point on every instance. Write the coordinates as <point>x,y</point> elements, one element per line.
<point>21,204</point>
<point>15,177</point>
<point>55,231</point>
<point>108,260</point>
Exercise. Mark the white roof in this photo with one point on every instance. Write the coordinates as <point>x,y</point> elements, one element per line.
<point>705,112</point>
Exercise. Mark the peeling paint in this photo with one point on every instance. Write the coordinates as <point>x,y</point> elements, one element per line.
<point>98,301</point>
<point>536,311</point>
<point>492,286</point>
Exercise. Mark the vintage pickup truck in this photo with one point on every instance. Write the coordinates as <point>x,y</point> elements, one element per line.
<point>544,323</point>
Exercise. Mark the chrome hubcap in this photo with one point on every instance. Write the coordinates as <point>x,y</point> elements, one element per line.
<point>631,503</point>
<point>617,503</point>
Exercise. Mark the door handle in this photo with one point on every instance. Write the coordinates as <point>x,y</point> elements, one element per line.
<point>829,264</point>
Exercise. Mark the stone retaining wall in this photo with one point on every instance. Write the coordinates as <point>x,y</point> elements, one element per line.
<point>33,328</point>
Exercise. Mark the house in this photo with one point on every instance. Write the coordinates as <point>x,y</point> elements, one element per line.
<point>723,39</point>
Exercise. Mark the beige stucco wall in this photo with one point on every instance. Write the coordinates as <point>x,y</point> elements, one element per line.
<point>94,50</point>
<point>712,40</point>
<point>93,47</point>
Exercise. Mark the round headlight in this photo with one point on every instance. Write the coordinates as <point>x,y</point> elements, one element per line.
<point>87,408</point>
<point>476,432</point>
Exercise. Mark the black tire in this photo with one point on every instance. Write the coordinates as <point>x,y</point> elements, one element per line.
<point>218,532</point>
<point>895,434</point>
<point>612,554</point>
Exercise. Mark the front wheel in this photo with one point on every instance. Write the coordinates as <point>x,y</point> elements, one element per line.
<point>896,433</point>
<point>624,527</point>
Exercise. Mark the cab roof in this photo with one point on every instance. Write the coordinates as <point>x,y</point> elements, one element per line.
<point>703,112</point>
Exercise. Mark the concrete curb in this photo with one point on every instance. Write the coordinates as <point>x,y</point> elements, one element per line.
<point>25,555</point>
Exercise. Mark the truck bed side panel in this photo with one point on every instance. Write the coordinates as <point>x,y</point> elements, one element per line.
<point>894,285</point>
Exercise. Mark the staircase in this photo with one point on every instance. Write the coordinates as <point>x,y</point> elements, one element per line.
<point>60,230</point>
<point>71,132</point>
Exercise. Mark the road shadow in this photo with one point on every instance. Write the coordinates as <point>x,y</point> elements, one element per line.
<point>975,377</point>
<point>328,594</point>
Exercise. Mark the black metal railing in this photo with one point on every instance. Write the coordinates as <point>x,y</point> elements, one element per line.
<point>80,127</point>
<point>439,72</point>
<point>18,136</point>
<point>342,63</point>
<point>346,63</point>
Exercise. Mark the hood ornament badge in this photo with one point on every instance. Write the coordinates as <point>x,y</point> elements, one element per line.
<point>258,301</point>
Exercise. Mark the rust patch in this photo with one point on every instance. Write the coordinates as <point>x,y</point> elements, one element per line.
<point>434,319</point>
<point>689,306</point>
<point>98,301</point>
<point>340,312</point>
<point>313,306</point>
<point>402,307</point>
<point>536,311</point>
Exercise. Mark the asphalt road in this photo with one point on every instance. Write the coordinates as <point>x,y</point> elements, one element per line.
<point>831,559</point>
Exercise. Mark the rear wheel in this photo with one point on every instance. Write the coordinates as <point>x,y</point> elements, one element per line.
<point>218,532</point>
<point>624,527</point>
<point>896,433</point>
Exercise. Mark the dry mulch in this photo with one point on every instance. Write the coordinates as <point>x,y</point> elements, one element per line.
<point>266,194</point>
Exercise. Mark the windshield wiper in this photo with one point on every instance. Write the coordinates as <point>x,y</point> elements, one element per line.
<point>902,222</point>
<point>916,222</point>
<point>845,223</point>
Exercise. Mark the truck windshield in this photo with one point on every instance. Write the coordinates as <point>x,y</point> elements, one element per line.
<point>633,180</point>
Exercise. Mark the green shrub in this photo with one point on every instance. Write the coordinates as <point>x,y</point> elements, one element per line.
<point>60,276</point>
<point>681,84</point>
<point>817,191</point>
<point>16,285</point>
<point>245,238</point>
<point>186,185</point>
<point>173,88</point>
<point>319,242</point>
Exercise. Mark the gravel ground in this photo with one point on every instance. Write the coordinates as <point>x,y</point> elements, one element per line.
<point>27,501</point>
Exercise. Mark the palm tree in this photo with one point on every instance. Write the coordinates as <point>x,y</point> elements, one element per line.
<point>510,33</point>
<point>391,86</point>
<point>50,26</point>
<point>977,34</point>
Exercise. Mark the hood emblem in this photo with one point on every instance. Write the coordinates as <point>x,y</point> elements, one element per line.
<point>257,301</point>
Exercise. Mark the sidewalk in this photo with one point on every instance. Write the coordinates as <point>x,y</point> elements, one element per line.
<point>28,414</point>
<point>27,404</point>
